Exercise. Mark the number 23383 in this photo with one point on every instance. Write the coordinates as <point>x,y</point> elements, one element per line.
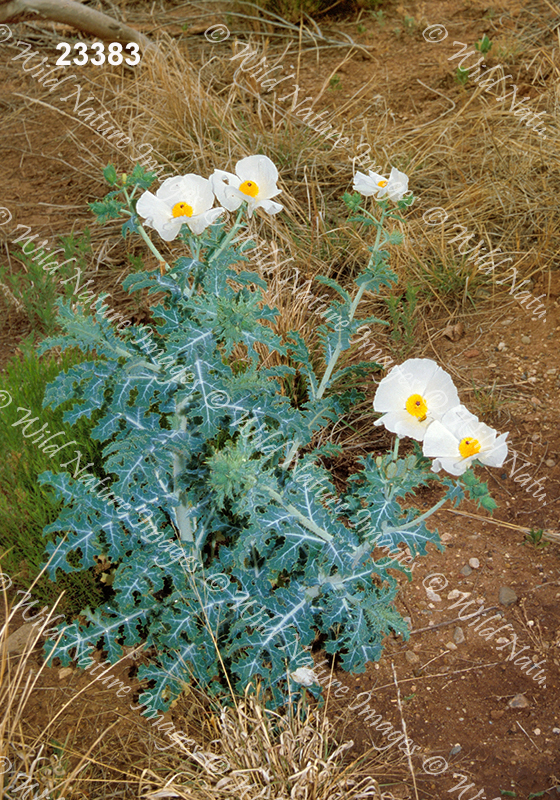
<point>113,56</point>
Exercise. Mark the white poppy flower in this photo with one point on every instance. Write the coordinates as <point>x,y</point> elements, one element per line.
<point>373,184</point>
<point>254,181</point>
<point>412,395</point>
<point>182,199</point>
<point>304,675</point>
<point>458,438</point>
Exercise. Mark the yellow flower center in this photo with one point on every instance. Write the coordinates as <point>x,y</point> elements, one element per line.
<point>382,183</point>
<point>469,446</point>
<point>181,210</point>
<point>250,188</point>
<point>417,406</point>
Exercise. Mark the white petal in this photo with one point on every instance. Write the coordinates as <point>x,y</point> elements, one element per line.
<point>191,189</point>
<point>170,188</point>
<point>417,376</point>
<point>262,171</point>
<point>368,185</point>
<point>461,423</point>
<point>201,221</point>
<point>440,442</point>
<point>170,230</point>
<point>397,185</point>
<point>224,191</point>
<point>150,207</point>
<point>397,176</point>
<point>497,455</point>
<point>220,175</point>
<point>453,465</point>
<point>267,205</point>
<point>157,215</point>
<point>200,195</point>
<point>404,424</point>
<point>459,415</point>
<point>393,390</point>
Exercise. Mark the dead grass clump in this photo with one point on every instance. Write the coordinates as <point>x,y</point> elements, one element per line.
<point>257,753</point>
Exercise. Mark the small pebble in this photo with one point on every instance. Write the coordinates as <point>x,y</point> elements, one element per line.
<point>537,731</point>
<point>507,321</point>
<point>472,353</point>
<point>411,657</point>
<point>496,714</point>
<point>556,730</point>
<point>455,749</point>
<point>502,346</point>
<point>507,596</point>
<point>466,570</point>
<point>455,593</point>
<point>435,598</point>
<point>446,537</point>
<point>519,701</point>
<point>64,673</point>
<point>451,646</point>
<point>550,462</point>
<point>458,636</point>
<point>474,563</point>
<point>526,339</point>
<point>21,639</point>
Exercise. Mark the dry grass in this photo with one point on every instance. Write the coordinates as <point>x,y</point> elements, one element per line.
<point>186,105</point>
<point>200,119</point>
<point>20,750</point>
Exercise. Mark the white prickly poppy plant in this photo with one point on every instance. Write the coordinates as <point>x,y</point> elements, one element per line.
<point>224,539</point>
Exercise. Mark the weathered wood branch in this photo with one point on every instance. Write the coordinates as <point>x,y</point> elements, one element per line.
<point>79,16</point>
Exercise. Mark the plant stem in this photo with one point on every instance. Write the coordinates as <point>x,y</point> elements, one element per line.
<point>152,246</point>
<point>328,372</point>
<point>354,307</point>
<point>183,520</point>
<point>338,349</point>
<point>421,518</point>
<point>227,239</point>
<point>368,545</point>
<point>145,236</point>
<point>307,523</point>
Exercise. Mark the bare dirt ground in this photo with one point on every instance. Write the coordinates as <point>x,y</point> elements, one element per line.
<point>455,694</point>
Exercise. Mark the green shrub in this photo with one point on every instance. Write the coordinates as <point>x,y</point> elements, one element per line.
<point>25,506</point>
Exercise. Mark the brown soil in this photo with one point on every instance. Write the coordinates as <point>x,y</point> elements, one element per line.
<point>450,696</point>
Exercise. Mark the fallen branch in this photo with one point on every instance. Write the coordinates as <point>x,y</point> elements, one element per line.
<point>79,16</point>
